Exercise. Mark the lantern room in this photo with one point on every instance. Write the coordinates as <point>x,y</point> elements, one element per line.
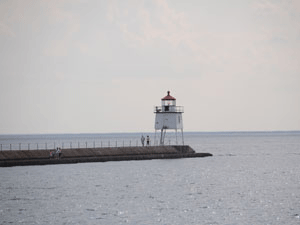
<point>168,100</point>
<point>168,104</point>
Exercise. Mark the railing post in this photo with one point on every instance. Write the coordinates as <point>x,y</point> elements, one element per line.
<point>37,146</point>
<point>86,144</point>
<point>101,144</point>
<point>116,143</point>
<point>46,146</point>
<point>70,145</point>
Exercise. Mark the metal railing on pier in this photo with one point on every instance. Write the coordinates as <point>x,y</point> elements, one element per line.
<point>82,144</point>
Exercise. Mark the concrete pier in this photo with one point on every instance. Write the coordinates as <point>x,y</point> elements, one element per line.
<point>42,157</point>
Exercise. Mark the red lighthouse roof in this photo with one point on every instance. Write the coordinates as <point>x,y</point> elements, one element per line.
<point>169,97</point>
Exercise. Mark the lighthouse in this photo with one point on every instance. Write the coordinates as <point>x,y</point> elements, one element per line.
<point>168,116</point>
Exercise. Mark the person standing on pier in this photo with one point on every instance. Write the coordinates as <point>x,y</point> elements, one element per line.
<point>148,140</point>
<point>143,140</point>
<point>58,153</point>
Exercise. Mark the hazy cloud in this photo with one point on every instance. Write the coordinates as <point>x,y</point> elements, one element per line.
<point>94,60</point>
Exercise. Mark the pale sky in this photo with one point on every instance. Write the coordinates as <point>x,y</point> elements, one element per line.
<point>90,66</point>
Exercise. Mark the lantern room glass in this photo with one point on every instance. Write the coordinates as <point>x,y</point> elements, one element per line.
<point>168,102</point>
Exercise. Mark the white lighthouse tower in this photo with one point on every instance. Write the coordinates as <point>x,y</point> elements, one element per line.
<point>168,116</point>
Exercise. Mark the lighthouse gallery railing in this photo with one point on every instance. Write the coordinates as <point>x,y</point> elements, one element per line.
<point>169,109</point>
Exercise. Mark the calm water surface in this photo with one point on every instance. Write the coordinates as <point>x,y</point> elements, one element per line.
<point>253,178</point>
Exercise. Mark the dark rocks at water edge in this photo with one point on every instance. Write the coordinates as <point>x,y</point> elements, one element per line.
<point>42,157</point>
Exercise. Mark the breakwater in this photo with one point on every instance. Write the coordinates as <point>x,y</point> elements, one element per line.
<point>80,155</point>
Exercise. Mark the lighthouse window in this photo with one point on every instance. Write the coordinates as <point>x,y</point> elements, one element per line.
<point>166,108</point>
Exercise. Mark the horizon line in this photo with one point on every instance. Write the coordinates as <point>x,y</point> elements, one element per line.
<point>119,132</point>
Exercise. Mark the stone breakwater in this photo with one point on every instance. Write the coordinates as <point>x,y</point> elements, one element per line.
<point>42,157</point>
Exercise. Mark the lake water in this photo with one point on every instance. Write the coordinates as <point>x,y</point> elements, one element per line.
<point>253,178</point>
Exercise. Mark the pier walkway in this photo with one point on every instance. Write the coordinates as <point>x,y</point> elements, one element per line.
<point>80,155</point>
